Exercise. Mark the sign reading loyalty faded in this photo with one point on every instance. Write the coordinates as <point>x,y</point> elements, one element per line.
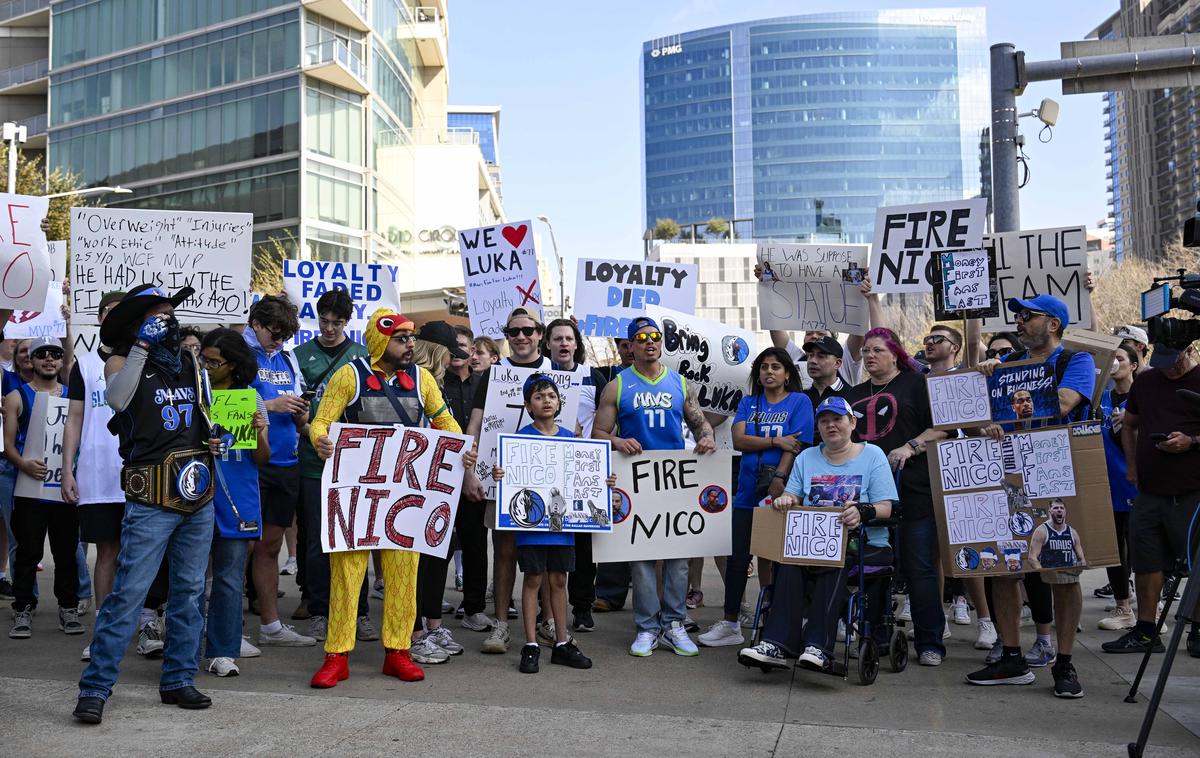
<point>959,399</point>
<point>610,294</point>
<point>1023,391</point>
<point>964,285</point>
<point>391,488</point>
<point>553,484</point>
<point>807,287</point>
<point>370,286</point>
<point>712,356</point>
<point>969,463</point>
<point>501,273</point>
<point>906,235</point>
<point>1041,262</point>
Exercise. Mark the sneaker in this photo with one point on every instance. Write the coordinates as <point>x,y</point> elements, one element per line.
<point>690,625</point>
<point>529,659</point>
<point>86,655</point>
<point>6,589</point>
<point>996,653</point>
<point>68,621</point>
<point>1026,616</point>
<point>582,621</point>
<point>644,644</point>
<point>289,568</point>
<point>1110,606</point>
<point>1041,654</point>
<point>477,622</point>
<point>930,658</point>
<point>248,649</point>
<point>1122,618</point>
<point>569,655</point>
<point>1066,681</point>
<point>447,608</point>
<point>546,633</point>
<point>987,635</point>
<point>813,658</point>
<point>512,610</point>
<point>399,663</point>
<point>377,589</point>
<point>1134,641</point>
<point>22,628</point>
<point>459,612</point>
<point>722,634</point>
<point>83,606</point>
<point>694,600</point>
<point>1166,593</point>
<point>223,667</point>
<point>150,640</point>
<point>1193,642</point>
<point>318,628</point>
<point>443,639</point>
<point>763,654</point>
<point>905,613</point>
<point>600,605</point>
<point>676,637</point>
<point>287,636</point>
<point>746,617</point>
<point>960,613</point>
<point>364,630</point>
<point>841,630</point>
<point>1003,671</point>
<point>458,585</point>
<point>424,651</point>
<point>1104,592</point>
<point>497,641</point>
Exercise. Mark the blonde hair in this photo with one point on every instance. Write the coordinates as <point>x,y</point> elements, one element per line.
<point>432,357</point>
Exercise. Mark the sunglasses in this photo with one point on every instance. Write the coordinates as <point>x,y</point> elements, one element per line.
<point>282,336</point>
<point>47,355</point>
<point>526,331</point>
<point>1000,352</point>
<point>648,337</point>
<point>934,339</point>
<point>1029,315</point>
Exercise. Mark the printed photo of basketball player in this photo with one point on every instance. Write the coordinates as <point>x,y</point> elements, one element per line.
<point>620,505</point>
<point>1055,544</point>
<point>1022,404</point>
<point>713,499</point>
<point>987,559</point>
<point>1012,559</point>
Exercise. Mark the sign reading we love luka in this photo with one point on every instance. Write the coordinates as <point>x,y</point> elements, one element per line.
<point>500,273</point>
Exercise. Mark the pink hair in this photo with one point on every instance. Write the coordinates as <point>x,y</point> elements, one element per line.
<point>904,361</point>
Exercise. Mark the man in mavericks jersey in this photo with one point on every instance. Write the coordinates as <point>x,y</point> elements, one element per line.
<point>645,408</point>
<point>1055,544</point>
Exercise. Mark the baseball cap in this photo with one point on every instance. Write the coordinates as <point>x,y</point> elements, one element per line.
<point>45,343</point>
<point>826,345</point>
<point>1162,357</point>
<point>524,313</point>
<point>441,333</point>
<point>533,379</point>
<point>1130,332</point>
<point>838,405</point>
<point>640,323</point>
<point>1044,303</point>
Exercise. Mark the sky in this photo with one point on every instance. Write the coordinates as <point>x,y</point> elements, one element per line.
<point>566,74</point>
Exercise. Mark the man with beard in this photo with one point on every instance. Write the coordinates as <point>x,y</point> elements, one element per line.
<point>1022,404</point>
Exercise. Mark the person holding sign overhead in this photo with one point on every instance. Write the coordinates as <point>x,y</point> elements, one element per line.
<point>645,408</point>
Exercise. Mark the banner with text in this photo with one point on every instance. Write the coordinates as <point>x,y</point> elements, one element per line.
<point>370,285</point>
<point>500,272</point>
<point>959,399</point>
<point>610,294</point>
<point>807,287</point>
<point>964,285</point>
<point>47,428</point>
<point>1023,391</point>
<point>714,357</point>
<point>801,536</point>
<point>907,235</point>
<point>553,484</point>
<point>1041,262</point>
<point>24,256</point>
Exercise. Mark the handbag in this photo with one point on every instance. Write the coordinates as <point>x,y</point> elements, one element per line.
<point>764,472</point>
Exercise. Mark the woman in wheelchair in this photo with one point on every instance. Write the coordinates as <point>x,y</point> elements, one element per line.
<point>855,478</point>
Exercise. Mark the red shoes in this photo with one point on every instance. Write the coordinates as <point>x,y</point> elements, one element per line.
<point>336,668</point>
<point>397,663</point>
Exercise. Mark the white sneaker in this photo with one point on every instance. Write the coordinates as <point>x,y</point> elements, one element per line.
<point>364,630</point>
<point>497,641</point>
<point>424,651</point>
<point>289,568</point>
<point>841,631</point>
<point>644,644</point>
<point>377,590</point>
<point>960,612</point>
<point>318,628</point>
<point>443,639</point>
<point>676,637</point>
<point>1122,618</point>
<point>905,613</point>
<point>248,649</point>
<point>223,667</point>
<point>1026,616</point>
<point>86,655</point>
<point>546,633</point>
<point>150,640</point>
<point>746,617</point>
<point>722,634</point>
<point>476,622</point>
<point>813,658</point>
<point>987,635</point>
<point>930,658</point>
<point>287,636</point>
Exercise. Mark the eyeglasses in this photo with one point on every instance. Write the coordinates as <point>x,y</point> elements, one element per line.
<point>404,338</point>
<point>1000,352</point>
<point>1029,315</point>
<point>648,337</point>
<point>213,363</point>
<point>526,331</point>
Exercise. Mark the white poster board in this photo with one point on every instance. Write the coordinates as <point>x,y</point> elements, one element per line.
<point>611,293</point>
<point>959,399</point>
<point>553,484</point>
<point>45,323</point>
<point>24,258</point>
<point>370,286</point>
<point>391,488</point>
<point>500,272</point>
<point>713,357</point>
<point>44,441</point>
<point>807,287</point>
<point>1041,262</point>
<point>1045,461</point>
<point>968,463</point>
<point>906,235</point>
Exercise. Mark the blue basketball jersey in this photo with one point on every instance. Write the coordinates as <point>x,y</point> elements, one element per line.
<point>1059,549</point>
<point>651,410</point>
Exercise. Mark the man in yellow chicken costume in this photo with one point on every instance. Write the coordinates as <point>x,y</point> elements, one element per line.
<point>357,394</point>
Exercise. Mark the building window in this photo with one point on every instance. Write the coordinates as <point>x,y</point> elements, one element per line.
<point>333,119</point>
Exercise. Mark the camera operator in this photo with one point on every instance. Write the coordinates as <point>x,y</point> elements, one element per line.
<point>1161,439</point>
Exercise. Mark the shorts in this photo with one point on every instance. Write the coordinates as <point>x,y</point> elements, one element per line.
<point>100,522</point>
<point>1062,576</point>
<point>1158,531</point>
<point>489,514</point>
<point>279,488</point>
<point>539,559</point>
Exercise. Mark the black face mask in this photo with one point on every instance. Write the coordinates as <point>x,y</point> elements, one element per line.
<point>171,340</point>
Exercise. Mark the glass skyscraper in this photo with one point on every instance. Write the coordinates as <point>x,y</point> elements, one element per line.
<point>798,128</point>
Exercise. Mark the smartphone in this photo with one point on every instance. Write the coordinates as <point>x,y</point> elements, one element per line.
<point>308,395</point>
<point>1159,436</point>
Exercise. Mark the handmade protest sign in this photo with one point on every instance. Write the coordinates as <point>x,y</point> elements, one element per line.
<point>713,357</point>
<point>1041,262</point>
<point>1023,391</point>
<point>45,323</point>
<point>1046,465</point>
<point>959,399</point>
<point>800,536</point>
<point>812,287</point>
<point>24,261</point>
<point>370,286</point>
<point>118,249</point>
<point>233,411</point>
<point>964,285</point>
<point>610,294</point>
<point>977,517</point>
<point>504,412</point>
<point>1101,347</point>
<point>906,235</point>
<point>969,463</point>
<point>501,273</point>
<point>668,504</point>
<point>44,442</point>
<point>391,488</point>
<point>553,484</point>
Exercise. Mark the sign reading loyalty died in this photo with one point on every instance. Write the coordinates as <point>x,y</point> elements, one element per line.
<point>391,488</point>
<point>1041,262</point>
<point>906,235</point>
<point>712,356</point>
<point>965,285</point>
<point>610,294</point>
<point>501,273</point>
<point>24,261</point>
<point>233,411</point>
<point>807,287</point>
<point>370,285</point>
<point>959,399</point>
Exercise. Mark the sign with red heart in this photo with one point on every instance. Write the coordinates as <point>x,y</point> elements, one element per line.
<point>500,272</point>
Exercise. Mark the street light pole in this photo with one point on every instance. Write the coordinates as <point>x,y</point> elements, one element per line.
<point>14,134</point>
<point>92,191</point>
<point>562,302</point>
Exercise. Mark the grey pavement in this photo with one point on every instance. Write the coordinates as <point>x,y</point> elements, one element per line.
<point>478,704</point>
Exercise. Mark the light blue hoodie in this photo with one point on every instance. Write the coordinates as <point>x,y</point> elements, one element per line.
<point>278,374</point>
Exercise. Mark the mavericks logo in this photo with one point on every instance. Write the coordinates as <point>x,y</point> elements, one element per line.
<point>193,480</point>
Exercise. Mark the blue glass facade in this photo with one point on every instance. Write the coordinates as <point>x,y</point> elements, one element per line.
<point>805,125</point>
<point>483,124</point>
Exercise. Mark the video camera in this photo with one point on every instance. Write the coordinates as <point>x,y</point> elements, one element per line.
<point>1174,333</point>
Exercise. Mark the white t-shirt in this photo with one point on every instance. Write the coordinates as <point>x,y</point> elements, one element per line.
<point>98,471</point>
<point>849,372</point>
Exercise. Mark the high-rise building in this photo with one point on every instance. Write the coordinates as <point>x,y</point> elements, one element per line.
<point>24,62</point>
<point>800,127</point>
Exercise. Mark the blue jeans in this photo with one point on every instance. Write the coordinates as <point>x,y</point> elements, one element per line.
<point>224,638</point>
<point>918,561</point>
<point>8,483</point>
<point>85,576</point>
<point>147,533</point>
<point>649,613</point>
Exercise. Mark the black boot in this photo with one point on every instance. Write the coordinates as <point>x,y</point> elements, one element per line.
<point>89,710</point>
<point>185,697</point>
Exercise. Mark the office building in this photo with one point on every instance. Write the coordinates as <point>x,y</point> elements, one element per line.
<point>798,128</point>
<point>24,63</point>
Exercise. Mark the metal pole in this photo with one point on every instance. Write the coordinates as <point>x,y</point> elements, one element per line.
<point>1006,199</point>
<point>1112,64</point>
<point>562,303</point>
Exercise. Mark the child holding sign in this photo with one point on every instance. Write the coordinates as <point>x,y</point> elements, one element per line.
<point>551,553</point>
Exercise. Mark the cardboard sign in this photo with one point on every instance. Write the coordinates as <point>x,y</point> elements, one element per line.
<point>45,323</point>
<point>610,294</point>
<point>504,412</point>
<point>959,399</point>
<point>370,285</point>
<point>1023,391</point>
<point>969,463</point>
<point>553,484</point>
<point>391,488</point>
<point>47,427</point>
<point>673,504</point>
<point>714,358</point>
<point>1101,347</point>
<point>906,235</point>
<point>501,273</point>
<point>986,526</point>
<point>1041,262</point>
<point>24,260</point>
<point>800,536</point>
<point>807,287</point>
<point>964,285</point>
<point>233,411</point>
<point>117,249</point>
